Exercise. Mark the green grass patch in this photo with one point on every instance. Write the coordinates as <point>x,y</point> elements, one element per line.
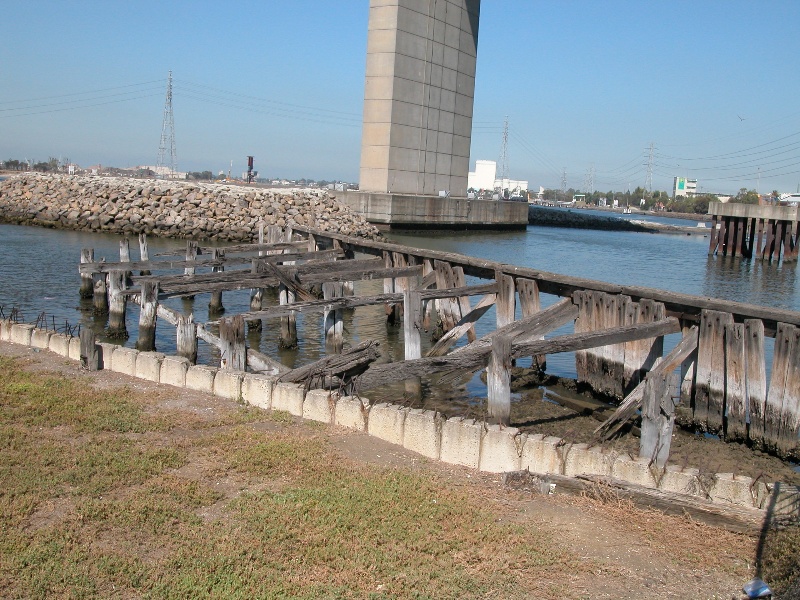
<point>37,400</point>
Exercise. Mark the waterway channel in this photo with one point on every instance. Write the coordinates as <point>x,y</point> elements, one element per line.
<point>38,274</point>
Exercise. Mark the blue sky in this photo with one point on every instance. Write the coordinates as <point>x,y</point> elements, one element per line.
<point>712,85</point>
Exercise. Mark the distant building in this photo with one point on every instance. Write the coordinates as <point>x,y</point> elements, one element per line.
<point>485,178</point>
<point>163,172</point>
<point>681,186</point>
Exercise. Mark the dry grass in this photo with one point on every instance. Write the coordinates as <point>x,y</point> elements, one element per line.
<point>105,495</point>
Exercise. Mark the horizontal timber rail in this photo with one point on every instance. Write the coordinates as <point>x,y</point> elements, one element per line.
<point>717,373</point>
<point>684,306</point>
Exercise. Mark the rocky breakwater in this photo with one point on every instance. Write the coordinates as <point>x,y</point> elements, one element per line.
<point>170,208</point>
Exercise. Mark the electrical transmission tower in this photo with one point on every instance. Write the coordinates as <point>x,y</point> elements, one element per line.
<point>648,184</point>
<point>564,183</point>
<point>167,136</point>
<point>504,155</point>
<point>588,182</point>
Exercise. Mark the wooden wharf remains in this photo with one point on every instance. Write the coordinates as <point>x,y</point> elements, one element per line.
<point>763,232</point>
<point>716,372</point>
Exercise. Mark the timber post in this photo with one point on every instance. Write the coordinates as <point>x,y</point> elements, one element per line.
<point>756,382</point>
<point>498,380</point>
<point>117,305</point>
<point>215,303</point>
<point>658,418</point>
<point>234,349</point>
<point>332,319</point>
<point>147,316</point>
<point>412,323</point>
<point>286,296</point>
<point>100,292</point>
<point>87,286</point>
<point>735,376</point>
<point>257,294</point>
<point>90,356</point>
<point>192,251</point>
<point>186,332</point>
<point>530,304</point>
<point>144,254</point>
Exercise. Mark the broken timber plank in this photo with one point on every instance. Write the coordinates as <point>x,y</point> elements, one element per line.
<point>474,356</point>
<point>451,337</point>
<point>632,401</point>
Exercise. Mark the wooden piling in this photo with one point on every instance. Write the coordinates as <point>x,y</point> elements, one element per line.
<point>506,299</point>
<point>87,285</point>
<point>288,338</point>
<point>445,308</point>
<point>144,254</point>
<point>769,243</point>
<point>147,316</point>
<point>124,250</point>
<point>234,349</point>
<point>713,241</point>
<point>760,238</point>
<point>215,306</point>
<point>332,319</point>
<point>735,383</point>
<point>658,418</point>
<point>722,234</point>
<point>90,356</point>
<point>427,306</point>
<point>192,252</point>
<point>498,380</point>
<point>412,323</point>
<point>117,305</point>
<point>530,304</point>
<point>257,294</point>
<point>688,366</point>
<point>782,414</point>
<point>756,380</point>
<point>464,306</point>
<point>580,299</point>
<point>100,293</point>
<point>710,377</point>
<point>186,330</point>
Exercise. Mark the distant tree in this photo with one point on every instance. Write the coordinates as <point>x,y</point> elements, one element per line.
<point>746,196</point>
<point>200,175</point>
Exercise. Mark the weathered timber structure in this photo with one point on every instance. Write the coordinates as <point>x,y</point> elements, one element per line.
<point>715,373</point>
<point>749,231</point>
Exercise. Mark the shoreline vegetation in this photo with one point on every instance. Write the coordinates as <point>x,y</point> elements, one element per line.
<point>572,218</point>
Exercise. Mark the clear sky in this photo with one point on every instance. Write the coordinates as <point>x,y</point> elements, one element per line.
<point>586,86</point>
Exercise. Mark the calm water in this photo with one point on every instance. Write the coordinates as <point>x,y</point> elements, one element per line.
<point>39,273</point>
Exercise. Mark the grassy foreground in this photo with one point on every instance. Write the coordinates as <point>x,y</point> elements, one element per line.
<point>105,494</point>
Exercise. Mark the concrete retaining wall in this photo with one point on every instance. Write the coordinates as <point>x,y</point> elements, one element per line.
<point>456,440</point>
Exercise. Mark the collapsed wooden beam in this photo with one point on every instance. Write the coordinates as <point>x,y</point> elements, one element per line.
<point>335,369</point>
<point>475,355</point>
<point>633,401</point>
<point>451,337</point>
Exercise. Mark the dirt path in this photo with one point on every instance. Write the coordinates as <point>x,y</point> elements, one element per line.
<point>630,553</point>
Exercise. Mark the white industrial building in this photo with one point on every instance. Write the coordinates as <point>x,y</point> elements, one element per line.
<point>484,177</point>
